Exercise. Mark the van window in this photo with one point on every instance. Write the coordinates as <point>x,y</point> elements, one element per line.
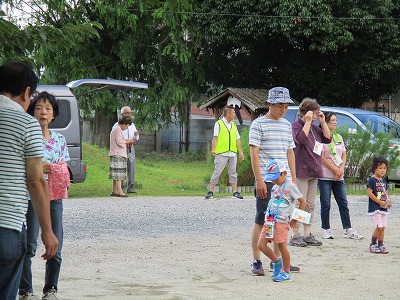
<point>379,123</point>
<point>345,121</point>
<point>291,115</point>
<point>64,118</point>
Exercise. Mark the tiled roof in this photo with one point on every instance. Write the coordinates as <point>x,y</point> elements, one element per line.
<point>253,99</point>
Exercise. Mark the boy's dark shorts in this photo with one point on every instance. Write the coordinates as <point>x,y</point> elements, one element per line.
<point>262,204</point>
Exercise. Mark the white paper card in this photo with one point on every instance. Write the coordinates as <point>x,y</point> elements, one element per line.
<point>301,216</point>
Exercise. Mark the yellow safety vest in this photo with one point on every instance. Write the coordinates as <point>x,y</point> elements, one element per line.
<point>226,138</point>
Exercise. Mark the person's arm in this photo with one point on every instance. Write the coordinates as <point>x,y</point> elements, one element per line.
<point>324,126</point>
<point>292,164</point>
<point>307,122</point>
<point>329,164</point>
<point>37,188</point>
<point>213,145</point>
<point>239,146</point>
<point>375,198</point>
<point>261,188</point>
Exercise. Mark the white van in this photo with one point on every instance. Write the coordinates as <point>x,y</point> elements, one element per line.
<point>68,122</point>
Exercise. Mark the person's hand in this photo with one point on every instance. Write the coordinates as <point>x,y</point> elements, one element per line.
<point>61,161</point>
<point>50,243</point>
<point>390,205</point>
<point>309,116</point>
<point>241,155</point>
<point>292,223</point>
<point>261,189</point>
<point>46,168</point>
<point>213,153</point>
<point>136,133</point>
<point>321,117</point>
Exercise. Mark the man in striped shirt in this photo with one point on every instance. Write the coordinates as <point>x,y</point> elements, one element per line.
<point>21,171</point>
<point>270,137</point>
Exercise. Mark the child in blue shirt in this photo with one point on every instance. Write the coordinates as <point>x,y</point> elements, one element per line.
<point>283,196</point>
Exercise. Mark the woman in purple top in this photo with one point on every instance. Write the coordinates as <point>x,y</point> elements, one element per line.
<point>309,140</point>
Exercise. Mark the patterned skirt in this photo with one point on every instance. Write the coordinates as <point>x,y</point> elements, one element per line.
<point>117,168</point>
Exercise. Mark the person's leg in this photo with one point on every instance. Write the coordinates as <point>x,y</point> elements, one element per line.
<point>131,165</point>
<point>285,256</point>
<point>115,187</point>
<point>310,204</point>
<point>232,162</point>
<point>261,206</point>
<point>302,184</point>
<point>53,265</point>
<point>262,245</point>
<point>12,252</point>
<point>325,187</point>
<point>255,235</point>
<point>220,162</point>
<point>118,183</point>
<point>339,192</point>
<point>32,233</point>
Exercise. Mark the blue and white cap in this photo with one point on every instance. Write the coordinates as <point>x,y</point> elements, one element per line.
<point>279,95</point>
<point>274,169</point>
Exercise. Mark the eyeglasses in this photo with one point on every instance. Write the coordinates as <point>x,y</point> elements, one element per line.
<point>127,113</point>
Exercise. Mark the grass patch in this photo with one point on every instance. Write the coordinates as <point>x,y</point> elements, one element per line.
<point>156,174</point>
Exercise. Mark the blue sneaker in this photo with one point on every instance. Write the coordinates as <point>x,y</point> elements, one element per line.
<point>283,276</point>
<point>236,195</point>
<point>209,195</point>
<point>277,267</point>
<point>257,268</point>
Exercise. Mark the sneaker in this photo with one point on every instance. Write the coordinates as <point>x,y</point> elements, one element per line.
<point>374,249</point>
<point>351,233</point>
<point>50,295</point>
<point>293,269</point>
<point>277,267</point>
<point>257,268</point>
<point>328,234</point>
<point>209,195</point>
<point>237,195</point>
<point>383,249</point>
<point>283,276</point>
<point>311,241</point>
<point>297,241</point>
<point>28,296</point>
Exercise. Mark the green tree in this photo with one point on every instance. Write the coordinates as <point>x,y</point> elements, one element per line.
<point>341,52</point>
<point>20,42</point>
<point>142,41</point>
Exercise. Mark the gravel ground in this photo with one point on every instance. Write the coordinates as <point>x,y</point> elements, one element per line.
<point>191,248</point>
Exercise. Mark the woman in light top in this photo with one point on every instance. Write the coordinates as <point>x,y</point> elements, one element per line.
<point>333,164</point>
<point>118,156</point>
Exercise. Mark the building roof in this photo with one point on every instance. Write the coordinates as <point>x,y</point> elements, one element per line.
<point>253,99</point>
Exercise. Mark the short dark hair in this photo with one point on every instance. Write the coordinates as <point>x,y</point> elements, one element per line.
<point>328,115</point>
<point>15,77</point>
<point>125,121</point>
<point>45,96</point>
<point>378,160</point>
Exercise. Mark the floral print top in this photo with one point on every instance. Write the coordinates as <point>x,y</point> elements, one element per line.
<point>55,148</point>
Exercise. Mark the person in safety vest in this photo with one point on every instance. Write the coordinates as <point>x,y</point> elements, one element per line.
<point>225,146</point>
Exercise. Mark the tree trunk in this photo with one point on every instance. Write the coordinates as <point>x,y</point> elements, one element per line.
<point>101,129</point>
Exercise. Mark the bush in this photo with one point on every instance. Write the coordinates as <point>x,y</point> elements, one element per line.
<point>361,147</point>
